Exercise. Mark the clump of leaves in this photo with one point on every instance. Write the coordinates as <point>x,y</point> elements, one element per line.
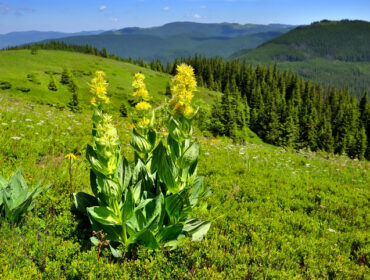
<point>152,203</point>
<point>15,197</point>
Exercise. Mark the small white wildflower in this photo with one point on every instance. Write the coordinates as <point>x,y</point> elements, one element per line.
<point>22,135</point>
<point>30,126</point>
<point>13,121</point>
<point>4,123</point>
<point>16,138</point>
<point>331,230</point>
<point>28,120</point>
<point>36,133</point>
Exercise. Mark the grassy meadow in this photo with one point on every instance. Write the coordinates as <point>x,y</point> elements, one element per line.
<point>276,213</point>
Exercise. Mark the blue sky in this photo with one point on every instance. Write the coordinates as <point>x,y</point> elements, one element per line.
<point>78,15</point>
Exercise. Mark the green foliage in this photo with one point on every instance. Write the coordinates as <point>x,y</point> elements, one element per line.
<point>15,198</point>
<point>65,77</point>
<point>5,85</point>
<point>52,84</point>
<point>275,212</point>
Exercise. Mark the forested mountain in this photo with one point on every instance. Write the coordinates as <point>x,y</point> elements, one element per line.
<point>329,52</point>
<point>181,39</point>
<point>25,37</point>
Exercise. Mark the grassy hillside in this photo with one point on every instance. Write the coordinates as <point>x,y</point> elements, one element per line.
<point>27,71</point>
<point>174,40</point>
<point>331,52</point>
<point>276,213</point>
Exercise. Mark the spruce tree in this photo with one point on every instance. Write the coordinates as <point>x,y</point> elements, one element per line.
<point>65,77</point>
<point>52,83</point>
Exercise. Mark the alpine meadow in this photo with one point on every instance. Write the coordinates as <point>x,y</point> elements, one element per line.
<point>196,148</point>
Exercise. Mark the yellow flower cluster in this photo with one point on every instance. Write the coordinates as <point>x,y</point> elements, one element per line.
<point>183,86</point>
<point>140,91</point>
<point>99,89</point>
<point>143,106</point>
<point>106,135</point>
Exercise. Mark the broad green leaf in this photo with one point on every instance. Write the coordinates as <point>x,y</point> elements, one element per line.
<point>152,137</point>
<point>173,205</point>
<point>104,216</point>
<point>115,253</point>
<point>145,238</point>
<point>195,190</point>
<point>115,233</point>
<point>139,142</point>
<point>174,147</point>
<point>166,168</point>
<point>169,233</point>
<point>128,206</point>
<point>96,164</point>
<point>124,173</point>
<point>94,241</point>
<point>3,182</point>
<point>83,200</point>
<point>196,228</point>
<point>137,192</point>
<point>17,189</point>
<point>189,156</point>
<point>175,131</point>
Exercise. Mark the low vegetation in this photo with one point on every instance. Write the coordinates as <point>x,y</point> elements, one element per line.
<point>275,212</point>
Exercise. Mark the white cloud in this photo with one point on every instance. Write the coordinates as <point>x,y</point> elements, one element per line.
<point>203,7</point>
<point>113,19</point>
<point>166,8</point>
<point>4,9</point>
<point>197,16</point>
<point>102,8</point>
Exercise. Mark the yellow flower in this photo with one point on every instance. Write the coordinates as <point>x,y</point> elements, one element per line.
<point>71,156</point>
<point>183,86</point>
<point>144,123</point>
<point>99,88</point>
<point>143,106</point>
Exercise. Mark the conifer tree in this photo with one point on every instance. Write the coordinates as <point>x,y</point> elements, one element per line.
<point>52,83</point>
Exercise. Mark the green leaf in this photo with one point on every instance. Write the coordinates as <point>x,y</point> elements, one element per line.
<point>83,200</point>
<point>173,205</point>
<point>96,164</point>
<point>117,254</point>
<point>3,182</point>
<point>124,173</point>
<point>145,238</point>
<point>166,168</point>
<point>195,190</point>
<point>128,206</point>
<point>137,192</point>
<point>175,131</point>
<point>174,147</point>
<point>189,156</point>
<point>104,216</point>
<point>17,189</point>
<point>139,143</point>
<point>115,233</point>
<point>169,233</point>
<point>94,241</point>
<point>196,228</point>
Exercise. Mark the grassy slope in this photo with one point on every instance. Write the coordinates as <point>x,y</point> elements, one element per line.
<point>21,63</point>
<point>275,213</point>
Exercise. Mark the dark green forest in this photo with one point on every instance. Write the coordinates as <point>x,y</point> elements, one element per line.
<point>279,106</point>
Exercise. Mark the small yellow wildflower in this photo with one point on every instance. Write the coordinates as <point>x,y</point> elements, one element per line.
<point>70,156</point>
<point>143,106</point>
<point>93,101</point>
<point>144,123</point>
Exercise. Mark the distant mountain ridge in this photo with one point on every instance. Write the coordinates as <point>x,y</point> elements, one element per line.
<point>25,37</point>
<point>344,40</point>
<point>334,53</point>
<point>178,39</point>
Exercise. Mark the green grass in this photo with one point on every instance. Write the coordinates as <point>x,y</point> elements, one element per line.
<point>21,63</point>
<point>276,213</point>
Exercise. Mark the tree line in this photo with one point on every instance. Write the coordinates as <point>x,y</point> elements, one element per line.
<point>279,106</point>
